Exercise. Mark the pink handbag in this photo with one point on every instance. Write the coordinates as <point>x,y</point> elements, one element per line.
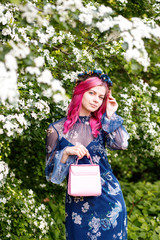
<point>84,180</point>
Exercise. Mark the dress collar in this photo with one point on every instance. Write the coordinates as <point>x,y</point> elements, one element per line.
<point>84,119</point>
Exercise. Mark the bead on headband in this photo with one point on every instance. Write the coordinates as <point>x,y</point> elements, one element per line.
<point>98,73</point>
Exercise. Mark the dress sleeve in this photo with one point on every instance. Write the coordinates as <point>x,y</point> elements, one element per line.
<point>55,171</point>
<point>116,135</point>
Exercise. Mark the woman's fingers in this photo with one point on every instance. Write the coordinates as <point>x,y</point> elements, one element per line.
<point>82,151</point>
<point>78,150</point>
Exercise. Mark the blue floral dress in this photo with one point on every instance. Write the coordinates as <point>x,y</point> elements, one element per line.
<point>90,218</point>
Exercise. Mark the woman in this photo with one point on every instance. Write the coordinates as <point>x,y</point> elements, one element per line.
<point>91,125</point>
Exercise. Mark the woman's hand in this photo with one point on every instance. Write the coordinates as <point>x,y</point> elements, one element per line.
<point>80,151</point>
<point>112,105</point>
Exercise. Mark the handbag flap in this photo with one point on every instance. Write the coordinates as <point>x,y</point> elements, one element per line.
<point>83,169</point>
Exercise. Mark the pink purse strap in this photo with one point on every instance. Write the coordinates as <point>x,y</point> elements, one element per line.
<point>89,158</point>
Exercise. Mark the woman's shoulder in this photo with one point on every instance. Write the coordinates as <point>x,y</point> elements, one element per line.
<point>58,125</point>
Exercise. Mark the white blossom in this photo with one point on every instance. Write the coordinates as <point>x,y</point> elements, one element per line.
<point>29,12</point>
<point>20,50</point>
<point>10,62</point>
<point>104,10</point>
<point>58,97</point>
<point>6,31</point>
<point>85,18</point>
<point>8,81</point>
<point>105,25</point>
<point>45,77</point>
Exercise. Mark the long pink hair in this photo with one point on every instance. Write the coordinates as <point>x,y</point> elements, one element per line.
<point>76,102</point>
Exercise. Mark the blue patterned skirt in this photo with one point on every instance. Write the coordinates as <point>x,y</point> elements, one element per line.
<point>98,218</point>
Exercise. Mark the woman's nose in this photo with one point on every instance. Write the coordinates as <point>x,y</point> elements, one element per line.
<point>96,99</point>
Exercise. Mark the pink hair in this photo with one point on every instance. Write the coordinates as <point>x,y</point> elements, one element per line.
<point>76,102</point>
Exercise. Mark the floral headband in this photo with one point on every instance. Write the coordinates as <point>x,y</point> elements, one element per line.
<point>104,77</point>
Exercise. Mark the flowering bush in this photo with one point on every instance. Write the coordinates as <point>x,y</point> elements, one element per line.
<point>44,45</point>
<point>139,107</point>
<point>20,214</point>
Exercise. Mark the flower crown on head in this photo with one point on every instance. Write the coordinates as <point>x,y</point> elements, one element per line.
<point>94,73</point>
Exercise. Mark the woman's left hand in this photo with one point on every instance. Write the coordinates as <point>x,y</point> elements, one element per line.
<point>112,105</point>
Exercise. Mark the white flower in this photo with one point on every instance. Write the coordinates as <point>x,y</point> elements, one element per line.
<point>153,88</point>
<point>124,24</point>
<point>1,176</point>
<point>85,18</point>
<point>77,53</point>
<point>3,172</point>
<point>155,107</point>
<point>48,8</point>
<point>34,115</point>
<point>104,10</point>
<point>43,38</point>
<point>6,31</point>
<point>33,70</point>
<point>42,106</point>
<point>10,62</point>
<point>8,81</point>
<point>29,12</point>
<point>105,25</point>
<point>47,93</point>
<point>1,131</point>
<point>42,224</point>
<point>39,61</point>
<point>45,77</point>
<point>50,30</point>
<point>2,118</point>
<point>20,50</point>
<point>125,96</point>
<point>58,97</point>
<point>57,86</point>
<point>123,1</point>
<point>30,192</point>
<point>70,75</point>
<point>42,185</point>
<point>20,118</point>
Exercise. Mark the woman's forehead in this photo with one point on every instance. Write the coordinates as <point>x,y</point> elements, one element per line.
<point>99,89</point>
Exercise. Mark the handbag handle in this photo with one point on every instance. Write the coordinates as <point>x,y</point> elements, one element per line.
<point>89,158</point>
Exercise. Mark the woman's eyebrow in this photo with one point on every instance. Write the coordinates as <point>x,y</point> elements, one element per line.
<point>99,94</point>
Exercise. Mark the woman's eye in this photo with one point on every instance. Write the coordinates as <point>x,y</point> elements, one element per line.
<point>91,93</point>
<point>102,98</point>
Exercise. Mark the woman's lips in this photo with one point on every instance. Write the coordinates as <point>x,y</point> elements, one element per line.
<point>94,106</point>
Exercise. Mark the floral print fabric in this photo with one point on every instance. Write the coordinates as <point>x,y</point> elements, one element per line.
<point>94,218</point>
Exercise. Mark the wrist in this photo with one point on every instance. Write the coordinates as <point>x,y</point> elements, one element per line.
<point>64,156</point>
<point>109,116</point>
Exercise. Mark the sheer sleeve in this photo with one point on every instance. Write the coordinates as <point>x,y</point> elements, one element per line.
<point>116,135</point>
<point>55,171</point>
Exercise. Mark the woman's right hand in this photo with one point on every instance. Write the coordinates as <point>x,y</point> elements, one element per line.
<point>80,151</point>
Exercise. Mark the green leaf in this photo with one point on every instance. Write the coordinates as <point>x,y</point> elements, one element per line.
<point>145,226</point>
<point>154,237</point>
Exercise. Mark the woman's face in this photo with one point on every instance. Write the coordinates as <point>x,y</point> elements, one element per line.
<point>92,100</point>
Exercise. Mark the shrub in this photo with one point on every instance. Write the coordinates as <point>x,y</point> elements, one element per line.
<point>142,200</point>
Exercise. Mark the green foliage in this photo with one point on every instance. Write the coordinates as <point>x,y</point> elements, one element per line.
<point>21,216</point>
<point>142,201</point>
<point>138,105</point>
<point>43,48</point>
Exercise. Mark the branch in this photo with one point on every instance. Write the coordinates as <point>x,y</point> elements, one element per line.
<point>60,50</point>
<point>134,205</point>
<point>101,44</point>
